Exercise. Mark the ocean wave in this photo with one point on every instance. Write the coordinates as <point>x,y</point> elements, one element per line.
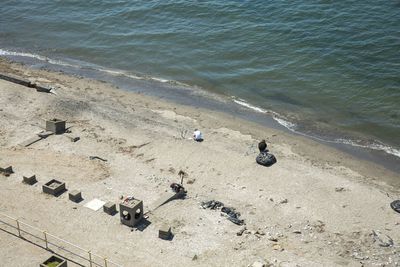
<point>85,65</point>
<point>375,145</point>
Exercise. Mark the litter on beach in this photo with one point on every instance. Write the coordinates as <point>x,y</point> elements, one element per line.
<point>95,204</point>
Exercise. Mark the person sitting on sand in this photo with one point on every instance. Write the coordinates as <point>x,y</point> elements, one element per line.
<point>197,135</point>
<point>262,146</point>
<point>265,158</point>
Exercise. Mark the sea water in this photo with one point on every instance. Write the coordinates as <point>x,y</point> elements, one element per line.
<point>326,69</point>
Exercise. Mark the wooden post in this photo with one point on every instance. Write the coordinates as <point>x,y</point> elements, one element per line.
<point>90,258</point>
<point>105,262</point>
<point>45,239</point>
<point>19,230</point>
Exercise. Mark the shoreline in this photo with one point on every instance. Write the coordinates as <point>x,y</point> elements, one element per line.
<point>313,207</point>
<point>182,95</point>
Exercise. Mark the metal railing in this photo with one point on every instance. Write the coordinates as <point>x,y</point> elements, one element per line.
<point>53,243</point>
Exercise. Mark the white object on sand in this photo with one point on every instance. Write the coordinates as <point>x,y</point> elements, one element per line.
<point>197,135</point>
<point>95,204</point>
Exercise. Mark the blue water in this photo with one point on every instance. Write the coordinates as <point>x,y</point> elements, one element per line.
<point>329,69</point>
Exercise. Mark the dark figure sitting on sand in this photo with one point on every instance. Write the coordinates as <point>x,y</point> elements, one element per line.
<point>265,158</point>
<point>262,146</point>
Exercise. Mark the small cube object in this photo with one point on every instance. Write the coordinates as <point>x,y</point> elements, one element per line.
<point>31,180</point>
<point>110,208</point>
<point>54,187</point>
<point>7,171</point>
<point>165,232</point>
<point>54,260</point>
<point>131,212</point>
<point>75,196</point>
<point>56,126</point>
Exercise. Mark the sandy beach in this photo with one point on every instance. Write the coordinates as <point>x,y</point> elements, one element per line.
<point>316,206</point>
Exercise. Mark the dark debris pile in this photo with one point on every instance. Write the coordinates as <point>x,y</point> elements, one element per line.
<point>231,213</point>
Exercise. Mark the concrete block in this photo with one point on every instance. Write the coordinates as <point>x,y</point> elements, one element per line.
<point>75,196</point>
<point>131,212</point>
<point>55,261</point>
<point>54,187</point>
<point>165,232</point>
<point>56,126</point>
<point>7,171</point>
<point>110,208</point>
<point>31,179</point>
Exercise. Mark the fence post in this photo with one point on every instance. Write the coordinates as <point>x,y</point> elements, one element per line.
<point>105,262</point>
<point>45,239</point>
<point>19,230</point>
<point>90,258</point>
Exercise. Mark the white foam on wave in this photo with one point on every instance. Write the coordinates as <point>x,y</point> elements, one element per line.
<point>374,145</point>
<point>39,57</point>
<point>292,127</point>
<point>277,117</point>
<point>63,63</point>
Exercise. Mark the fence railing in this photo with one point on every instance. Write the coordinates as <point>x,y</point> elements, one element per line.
<point>53,243</point>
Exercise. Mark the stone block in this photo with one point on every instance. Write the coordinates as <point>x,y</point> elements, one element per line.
<point>55,261</point>
<point>75,196</point>
<point>31,179</point>
<point>56,126</point>
<point>54,187</point>
<point>7,171</point>
<point>165,232</point>
<point>131,212</point>
<point>110,208</point>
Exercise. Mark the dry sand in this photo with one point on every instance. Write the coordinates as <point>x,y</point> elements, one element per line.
<point>316,207</point>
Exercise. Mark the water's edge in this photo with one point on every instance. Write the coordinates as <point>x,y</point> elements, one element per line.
<point>176,92</point>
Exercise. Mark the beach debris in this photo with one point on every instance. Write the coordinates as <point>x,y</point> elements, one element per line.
<point>7,171</point>
<point>177,188</point>
<point>165,232</point>
<point>96,157</point>
<point>231,213</point>
<point>266,159</point>
<point>339,189</point>
<point>75,196</point>
<point>56,126</point>
<point>283,201</point>
<point>277,247</point>
<point>27,83</point>
<point>197,136</point>
<point>395,205</point>
<point>212,204</point>
<point>31,179</point>
<point>241,231</point>
<point>195,257</point>
<point>73,138</point>
<point>383,240</point>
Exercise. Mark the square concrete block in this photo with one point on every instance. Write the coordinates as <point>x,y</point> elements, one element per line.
<point>110,208</point>
<point>31,179</point>
<point>54,187</point>
<point>131,212</point>
<point>75,196</point>
<point>56,126</point>
<point>165,232</point>
<point>55,261</point>
<point>7,171</point>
